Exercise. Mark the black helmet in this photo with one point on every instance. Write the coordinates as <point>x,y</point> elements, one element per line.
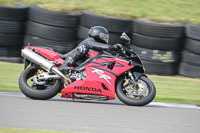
<point>99,33</point>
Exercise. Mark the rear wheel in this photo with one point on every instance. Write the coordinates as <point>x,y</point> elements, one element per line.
<point>139,94</point>
<point>36,89</point>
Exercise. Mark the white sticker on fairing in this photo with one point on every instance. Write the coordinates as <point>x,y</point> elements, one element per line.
<point>121,60</point>
<point>102,75</point>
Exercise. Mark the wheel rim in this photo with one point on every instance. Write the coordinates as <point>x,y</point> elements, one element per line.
<point>32,76</point>
<point>138,91</point>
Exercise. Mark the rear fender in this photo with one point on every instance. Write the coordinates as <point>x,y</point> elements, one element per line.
<point>26,63</point>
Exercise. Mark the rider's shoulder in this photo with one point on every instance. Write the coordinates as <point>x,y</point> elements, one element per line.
<point>89,39</point>
<point>86,41</point>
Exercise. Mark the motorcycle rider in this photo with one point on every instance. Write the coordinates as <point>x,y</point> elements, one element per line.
<point>98,38</point>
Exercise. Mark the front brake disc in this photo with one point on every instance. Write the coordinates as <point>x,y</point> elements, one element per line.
<point>139,91</point>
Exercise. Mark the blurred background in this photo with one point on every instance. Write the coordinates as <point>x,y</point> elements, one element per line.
<point>165,34</point>
<point>173,11</point>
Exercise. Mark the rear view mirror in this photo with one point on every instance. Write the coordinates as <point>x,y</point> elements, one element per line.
<point>125,37</point>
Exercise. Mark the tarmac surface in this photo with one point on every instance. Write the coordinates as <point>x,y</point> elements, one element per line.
<point>17,111</point>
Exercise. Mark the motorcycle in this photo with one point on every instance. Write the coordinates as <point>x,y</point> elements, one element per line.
<point>99,77</point>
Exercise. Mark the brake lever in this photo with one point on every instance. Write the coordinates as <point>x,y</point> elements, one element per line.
<point>124,52</point>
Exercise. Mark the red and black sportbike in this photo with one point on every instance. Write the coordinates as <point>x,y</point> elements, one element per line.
<point>99,77</point>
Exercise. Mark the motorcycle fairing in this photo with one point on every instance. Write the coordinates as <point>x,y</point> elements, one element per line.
<point>48,53</point>
<point>92,54</point>
<point>100,79</point>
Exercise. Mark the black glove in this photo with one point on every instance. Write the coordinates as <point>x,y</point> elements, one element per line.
<point>115,47</point>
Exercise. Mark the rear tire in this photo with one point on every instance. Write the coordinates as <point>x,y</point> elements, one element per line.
<point>136,102</point>
<point>34,92</point>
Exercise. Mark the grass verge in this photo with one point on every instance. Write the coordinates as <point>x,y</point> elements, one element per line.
<point>177,89</point>
<point>173,11</point>
<point>17,130</point>
<point>9,74</point>
<point>8,3</point>
<point>169,88</point>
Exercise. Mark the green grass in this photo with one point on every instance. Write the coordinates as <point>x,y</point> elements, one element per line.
<point>17,130</point>
<point>169,88</point>
<point>8,3</point>
<point>181,11</point>
<point>177,89</point>
<point>170,11</point>
<point>9,74</point>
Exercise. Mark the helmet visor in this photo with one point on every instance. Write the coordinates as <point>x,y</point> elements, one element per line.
<point>104,37</point>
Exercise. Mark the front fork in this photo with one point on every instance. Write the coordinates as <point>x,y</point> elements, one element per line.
<point>130,75</point>
<point>133,78</point>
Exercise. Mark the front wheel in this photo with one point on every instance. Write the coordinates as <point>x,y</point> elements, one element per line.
<point>139,94</point>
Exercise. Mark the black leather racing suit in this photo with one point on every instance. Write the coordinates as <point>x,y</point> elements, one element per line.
<point>81,50</point>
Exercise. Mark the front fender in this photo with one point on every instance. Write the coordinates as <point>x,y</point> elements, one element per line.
<point>137,70</point>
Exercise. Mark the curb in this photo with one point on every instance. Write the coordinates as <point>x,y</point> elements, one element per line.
<point>116,101</point>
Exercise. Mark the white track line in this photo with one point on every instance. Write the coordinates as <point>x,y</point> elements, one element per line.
<point>158,104</point>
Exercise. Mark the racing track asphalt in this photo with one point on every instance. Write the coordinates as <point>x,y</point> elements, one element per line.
<point>16,111</point>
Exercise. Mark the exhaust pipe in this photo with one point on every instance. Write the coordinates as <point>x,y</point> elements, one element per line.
<point>37,59</point>
<point>42,62</point>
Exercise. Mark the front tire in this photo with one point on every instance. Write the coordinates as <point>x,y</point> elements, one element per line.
<point>134,100</point>
<point>38,92</point>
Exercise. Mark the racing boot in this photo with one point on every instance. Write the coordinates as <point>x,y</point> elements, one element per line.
<point>65,66</point>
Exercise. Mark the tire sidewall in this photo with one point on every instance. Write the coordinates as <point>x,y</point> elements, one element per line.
<point>37,94</point>
<point>140,102</point>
